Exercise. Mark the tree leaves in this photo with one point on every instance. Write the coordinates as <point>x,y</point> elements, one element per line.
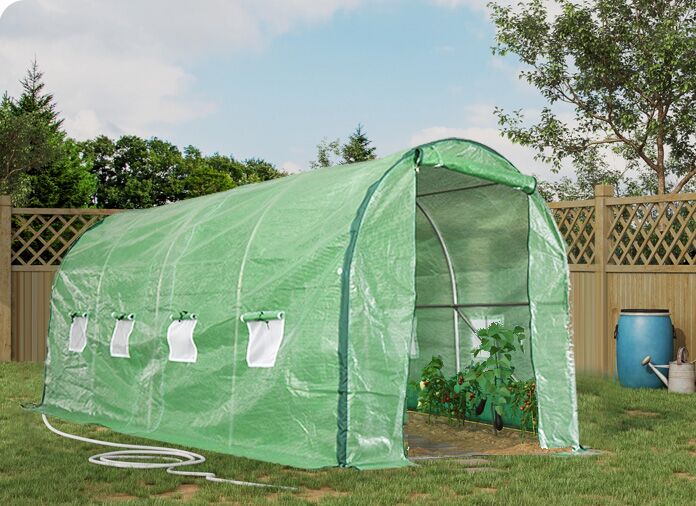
<point>40,167</point>
<point>627,69</point>
<point>357,149</point>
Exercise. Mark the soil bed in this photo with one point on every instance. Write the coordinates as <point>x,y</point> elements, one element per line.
<point>442,438</point>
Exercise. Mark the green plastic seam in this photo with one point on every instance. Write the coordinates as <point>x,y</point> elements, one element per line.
<point>344,315</point>
<point>262,316</point>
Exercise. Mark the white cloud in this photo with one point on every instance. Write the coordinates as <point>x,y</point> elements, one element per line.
<point>4,4</point>
<point>552,6</point>
<point>121,65</point>
<point>480,5</point>
<point>292,167</point>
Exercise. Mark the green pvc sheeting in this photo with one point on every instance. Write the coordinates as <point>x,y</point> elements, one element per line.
<point>329,271</point>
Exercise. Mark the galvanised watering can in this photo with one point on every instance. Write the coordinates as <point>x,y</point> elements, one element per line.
<point>682,373</point>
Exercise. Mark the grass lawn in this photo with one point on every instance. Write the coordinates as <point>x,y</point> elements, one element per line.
<point>649,438</point>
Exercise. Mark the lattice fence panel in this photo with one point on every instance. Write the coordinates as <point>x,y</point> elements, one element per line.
<point>653,233</point>
<point>577,225</point>
<point>43,239</point>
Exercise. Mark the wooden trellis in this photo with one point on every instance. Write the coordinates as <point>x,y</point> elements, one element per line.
<point>41,237</point>
<point>577,225</point>
<point>653,232</point>
<point>640,231</point>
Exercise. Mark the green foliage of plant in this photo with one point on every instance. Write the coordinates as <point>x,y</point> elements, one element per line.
<point>451,397</point>
<point>523,397</point>
<point>494,373</point>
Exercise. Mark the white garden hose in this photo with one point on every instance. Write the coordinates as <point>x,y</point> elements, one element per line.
<point>132,455</point>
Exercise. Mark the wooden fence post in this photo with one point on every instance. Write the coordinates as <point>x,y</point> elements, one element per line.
<point>5,278</point>
<point>601,237</point>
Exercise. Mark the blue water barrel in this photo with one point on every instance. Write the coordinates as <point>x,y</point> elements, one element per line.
<point>642,332</point>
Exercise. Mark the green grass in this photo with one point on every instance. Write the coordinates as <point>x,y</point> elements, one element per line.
<point>647,460</point>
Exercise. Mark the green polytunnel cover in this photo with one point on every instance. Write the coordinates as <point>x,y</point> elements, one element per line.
<point>281,321</point>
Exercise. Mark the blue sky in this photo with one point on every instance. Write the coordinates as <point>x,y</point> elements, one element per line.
<point>270,78</point>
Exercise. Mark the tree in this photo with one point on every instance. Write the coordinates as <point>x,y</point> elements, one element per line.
<point>357,149</point>
<point>34,100</point>
<point>40,168</point>
<point>252,170</point>
<point>65,182</point>
<point>257,170</point>
<point>134,172</point>
<point>328,154</point>
<point>627,70</point>
<point>201,178</point>
<point>26,144</point>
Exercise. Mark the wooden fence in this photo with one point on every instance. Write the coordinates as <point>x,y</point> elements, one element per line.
<point>623,253</point>
<point>32,245</point>
<point>635,252</point>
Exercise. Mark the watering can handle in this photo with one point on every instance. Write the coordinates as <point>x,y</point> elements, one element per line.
<point>682,355</point>
<point>616,330</point>
<point>674,332</point>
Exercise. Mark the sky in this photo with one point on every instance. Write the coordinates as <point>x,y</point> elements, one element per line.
<point>270,78</point>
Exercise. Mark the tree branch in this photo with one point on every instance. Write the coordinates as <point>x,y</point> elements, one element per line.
<point>608,140</point>
<point>682,182</point>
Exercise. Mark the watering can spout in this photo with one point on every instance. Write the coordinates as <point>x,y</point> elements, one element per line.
<point>663,379</point>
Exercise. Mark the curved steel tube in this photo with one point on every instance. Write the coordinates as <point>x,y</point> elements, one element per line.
<point>453,280</point>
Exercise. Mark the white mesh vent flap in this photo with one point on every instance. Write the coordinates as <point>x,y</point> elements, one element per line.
<point>119,339</point>
<point>264,342</point>
<point>78,334</point>
<point>180,339</point>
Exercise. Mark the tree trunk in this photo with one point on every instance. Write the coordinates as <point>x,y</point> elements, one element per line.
<point>660,180</point>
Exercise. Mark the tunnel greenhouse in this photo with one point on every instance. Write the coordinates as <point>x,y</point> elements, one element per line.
<point>281,321</point>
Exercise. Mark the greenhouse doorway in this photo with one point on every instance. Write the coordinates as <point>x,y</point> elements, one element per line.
<point>472,264</point>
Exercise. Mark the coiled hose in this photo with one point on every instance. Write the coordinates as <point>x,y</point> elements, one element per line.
<point>131,457</point>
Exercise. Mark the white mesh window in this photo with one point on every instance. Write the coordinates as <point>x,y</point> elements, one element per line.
<point>180,339</point>
<point>266,329</point>
<point>78,333</point>
<point>121,335</point>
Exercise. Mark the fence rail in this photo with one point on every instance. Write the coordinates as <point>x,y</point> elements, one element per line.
<point>623,252</point>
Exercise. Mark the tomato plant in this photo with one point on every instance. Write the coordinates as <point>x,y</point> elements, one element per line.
<point>524,398</point>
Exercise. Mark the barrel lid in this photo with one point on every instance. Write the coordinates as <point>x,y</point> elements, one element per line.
<point>636,312</point>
